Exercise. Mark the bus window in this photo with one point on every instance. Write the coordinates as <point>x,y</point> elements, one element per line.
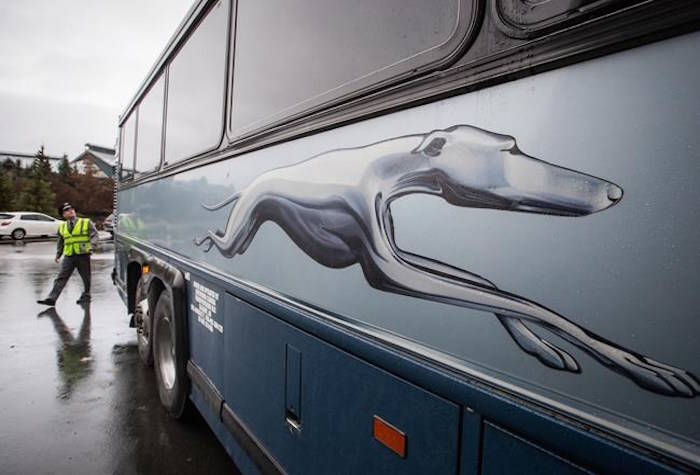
<point>150,127</point>
<point>290,57</point>
<point>196,87</point>
<point>128,143</point>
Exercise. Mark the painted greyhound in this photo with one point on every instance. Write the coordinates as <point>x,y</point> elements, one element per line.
<point>336,208</point>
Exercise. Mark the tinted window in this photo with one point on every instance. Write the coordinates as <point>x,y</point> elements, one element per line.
<point>293,55</point>
<point>29,217</point>
<point>196,84</point>
<point>126,157</point>
<point>150,127</point>
<point>6,216</point>
<point>41,217</point>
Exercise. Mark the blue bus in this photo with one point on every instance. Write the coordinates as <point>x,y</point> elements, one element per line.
<point>456,236</point>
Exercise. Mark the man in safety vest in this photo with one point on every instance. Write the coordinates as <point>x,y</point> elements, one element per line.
<point>76,239</point>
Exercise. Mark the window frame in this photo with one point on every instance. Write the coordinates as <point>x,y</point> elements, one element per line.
<point>469,20</point>
<point>518,18</point>
<point>165,165</point>
<point>135,114</point>
<point>137,109</point>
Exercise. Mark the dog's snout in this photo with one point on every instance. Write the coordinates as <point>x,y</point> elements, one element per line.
<point>614,192</point>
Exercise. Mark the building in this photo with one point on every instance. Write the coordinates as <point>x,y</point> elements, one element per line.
<point>25,160</point>
<point>95,160</point>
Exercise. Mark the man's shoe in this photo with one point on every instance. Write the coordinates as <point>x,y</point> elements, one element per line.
<point>49,302</point>
<point>82,300</point>
<point>49,312</point>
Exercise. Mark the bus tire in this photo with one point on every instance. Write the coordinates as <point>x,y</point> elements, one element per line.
<point>170,355</point>
<point>144,324</point>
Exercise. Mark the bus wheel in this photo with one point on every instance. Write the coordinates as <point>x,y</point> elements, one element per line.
<point>169,356</point>
<point>142,317</point>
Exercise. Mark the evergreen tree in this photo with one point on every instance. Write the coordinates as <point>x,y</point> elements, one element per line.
<point>41,164</point>
<point>64,168</point>
<point>8,165</point>
<point>7,192</point>
<point>37,194</point>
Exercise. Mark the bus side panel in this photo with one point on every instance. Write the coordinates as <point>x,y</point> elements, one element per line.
<point>505,453</point>
<point>339,398</point>
<point>205,311</point>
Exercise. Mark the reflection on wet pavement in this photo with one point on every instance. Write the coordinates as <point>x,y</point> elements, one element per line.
<point>74,396</point>
<point>73,353</point>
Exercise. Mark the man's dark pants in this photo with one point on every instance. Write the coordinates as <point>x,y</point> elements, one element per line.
<point>68,264</point>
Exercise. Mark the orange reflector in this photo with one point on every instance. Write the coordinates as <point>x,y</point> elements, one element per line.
<point>390,436</point>
<point>145,270</point>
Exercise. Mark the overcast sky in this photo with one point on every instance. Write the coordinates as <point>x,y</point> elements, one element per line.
<point>69,67</point>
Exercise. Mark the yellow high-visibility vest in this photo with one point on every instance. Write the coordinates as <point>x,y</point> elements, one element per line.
<point>78,241</point>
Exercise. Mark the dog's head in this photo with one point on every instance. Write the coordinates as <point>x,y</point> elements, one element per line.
<point>482,169</point>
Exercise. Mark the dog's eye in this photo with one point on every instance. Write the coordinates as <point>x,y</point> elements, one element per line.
<point>434,147</point>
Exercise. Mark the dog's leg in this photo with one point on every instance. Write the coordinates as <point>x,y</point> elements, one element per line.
<point>386,271</point>
<point>531,343</point>
<point>242,223</point>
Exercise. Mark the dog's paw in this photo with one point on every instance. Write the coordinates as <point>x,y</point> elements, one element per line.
<point>556,358</point>
<point>206,241</point>
<point>532,344</point>
<point>658,377</point>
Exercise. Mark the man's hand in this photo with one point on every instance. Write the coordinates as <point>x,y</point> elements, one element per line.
<point>58,258</point>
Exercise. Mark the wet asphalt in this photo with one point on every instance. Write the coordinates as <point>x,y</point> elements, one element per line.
<point>74,396</point>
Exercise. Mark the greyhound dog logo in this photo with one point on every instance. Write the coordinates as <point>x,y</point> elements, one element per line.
<point>336,207</point>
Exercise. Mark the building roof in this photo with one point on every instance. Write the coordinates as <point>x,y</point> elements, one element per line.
<point>104,157</point>
<point>105,154</point>
<point>100,148</point>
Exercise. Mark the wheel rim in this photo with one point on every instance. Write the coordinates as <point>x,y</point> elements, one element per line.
<point>166,352</point>
<point>144,329</point>
<point>18,234</point>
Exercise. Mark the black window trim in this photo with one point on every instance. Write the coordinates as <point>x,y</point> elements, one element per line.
<point>459,41</point>
<point>224,110</point>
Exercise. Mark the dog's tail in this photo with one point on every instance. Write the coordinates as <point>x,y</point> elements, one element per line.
<point>230,199</point>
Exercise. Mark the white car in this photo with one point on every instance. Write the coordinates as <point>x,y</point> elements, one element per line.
<point>20,224</point>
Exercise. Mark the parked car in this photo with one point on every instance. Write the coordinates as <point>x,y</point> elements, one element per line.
<point>20,224</point>
<point>108,224</point>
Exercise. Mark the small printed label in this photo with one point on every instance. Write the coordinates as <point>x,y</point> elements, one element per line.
<point>205,307</point>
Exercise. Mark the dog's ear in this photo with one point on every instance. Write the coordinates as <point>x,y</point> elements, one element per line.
<point>432,144</point>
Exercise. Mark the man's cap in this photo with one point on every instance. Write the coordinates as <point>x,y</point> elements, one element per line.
<point>64,207</point>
